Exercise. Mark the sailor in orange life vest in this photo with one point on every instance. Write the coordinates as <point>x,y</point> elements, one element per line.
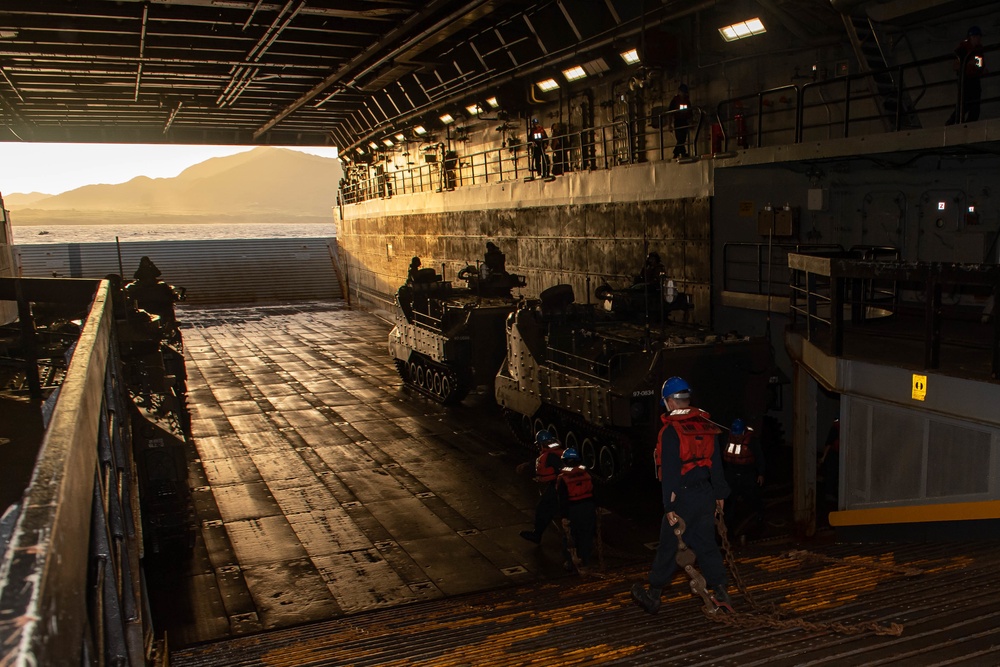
<point>547,467</point>
<point>689,465</point>
<point>575,490</point>
<point>743,459</point>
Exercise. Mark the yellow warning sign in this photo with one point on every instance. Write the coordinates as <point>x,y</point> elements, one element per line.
<point>919,387</point>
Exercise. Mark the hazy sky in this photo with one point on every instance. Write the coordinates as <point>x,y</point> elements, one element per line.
<point>56,168</point>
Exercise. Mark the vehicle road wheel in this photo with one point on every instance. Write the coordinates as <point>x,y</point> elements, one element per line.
<point>588,452</point>
<point>607,463</point>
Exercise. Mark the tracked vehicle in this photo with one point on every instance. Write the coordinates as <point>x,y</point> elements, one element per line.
<point>594,377</point>
<point>449,340</point>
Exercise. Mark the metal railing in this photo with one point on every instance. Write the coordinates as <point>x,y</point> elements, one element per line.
<point>833,298</point>
<point>762,268</point>
<point>841,106</point>
<point>71,590</point>
<point>598,147</point>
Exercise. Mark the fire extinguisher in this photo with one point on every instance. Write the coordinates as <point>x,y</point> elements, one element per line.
<point>739,120</point>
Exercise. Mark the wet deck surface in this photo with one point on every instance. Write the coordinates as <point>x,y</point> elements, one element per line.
<point>344,521</point>
<point>324,488</point>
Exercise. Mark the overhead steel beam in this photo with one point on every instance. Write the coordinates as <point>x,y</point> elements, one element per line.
<point>441,29</point>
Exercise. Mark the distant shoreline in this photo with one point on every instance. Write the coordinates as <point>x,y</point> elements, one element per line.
<point>147,220</point>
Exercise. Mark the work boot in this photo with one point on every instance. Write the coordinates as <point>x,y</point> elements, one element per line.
<point>720,596</point>
<point>647,598</point>
<point>531,536</point>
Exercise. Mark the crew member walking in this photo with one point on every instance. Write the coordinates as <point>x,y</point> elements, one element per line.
<point>547,468</point>
<point>575,490</point>
<point>743,459</point>
<point>689,466</point>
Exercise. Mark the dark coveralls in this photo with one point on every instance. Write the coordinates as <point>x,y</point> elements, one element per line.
<point>582,515</point>
<point>742,478</point>
<point>970,69</point>
<point>696,493</point>
<point>548,504</point>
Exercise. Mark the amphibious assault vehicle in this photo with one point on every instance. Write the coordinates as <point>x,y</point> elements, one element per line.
<point>593,376</point>
<point>448,340</point>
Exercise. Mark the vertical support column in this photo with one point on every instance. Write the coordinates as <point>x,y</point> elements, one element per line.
<point>804,390</point>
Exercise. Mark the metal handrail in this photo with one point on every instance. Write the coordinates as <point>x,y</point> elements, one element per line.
<point>822,290</point>
<point>581,150</point>
<point>71,590</point>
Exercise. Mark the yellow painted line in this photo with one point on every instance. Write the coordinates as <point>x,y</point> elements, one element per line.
<point>987,509</point>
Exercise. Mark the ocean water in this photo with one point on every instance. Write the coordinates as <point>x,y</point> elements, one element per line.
<point>38,234</point>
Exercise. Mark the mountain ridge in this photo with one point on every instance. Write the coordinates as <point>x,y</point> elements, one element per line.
<point>265,183</point>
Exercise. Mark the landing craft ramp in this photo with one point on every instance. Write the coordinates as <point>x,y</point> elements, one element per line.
<point>344,521</point>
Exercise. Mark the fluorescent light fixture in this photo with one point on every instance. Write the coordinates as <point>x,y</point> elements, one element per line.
<point>574,73</point>
<point>8,34</point>
<point>473,109</point>
<point>420,130</point>
<point>447,118</point>
<point>388,142</point>
<point>742,29</point>
<point>630,57</point>
<point>547,85</point>
<point>360,150</point>
<point>373,145</point>
<point>400,137</point>
<point>596,66</point>
<point>493,102</point>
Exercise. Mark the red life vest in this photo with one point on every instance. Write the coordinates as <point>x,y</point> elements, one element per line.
<point>697,439</point>
<point>579,485</point>
<point>738,451</point>
<point>543,471</point>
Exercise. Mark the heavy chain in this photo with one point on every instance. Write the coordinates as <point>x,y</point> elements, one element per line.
<point>685,559</point>
<point>769,616</point>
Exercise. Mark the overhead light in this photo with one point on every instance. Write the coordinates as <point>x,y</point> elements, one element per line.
<point>493,102</point>
<point>419,130</point>
<point>447,118</point>
<point>596,66</point>
<point>373,145</point>
<point>630,57</point>
<point>473,109</point>
<point>400,137</point>
<point>8,34</point>
<point>574,73</point>
<point>547,85</point>
<point>742,29</point>
<point>360,150</point>
<point>388,142</point>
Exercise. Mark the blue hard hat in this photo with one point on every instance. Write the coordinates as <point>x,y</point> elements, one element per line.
<point>675,387</point>
<point>544,437</point>
<point>975,31</point>
<point>738,427</point>
<point>570,455</point>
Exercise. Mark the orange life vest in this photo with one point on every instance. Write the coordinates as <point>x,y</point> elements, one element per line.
<point>543,471</point>
<point>579,485</point>
<point>697,439</point>
<point>738,450</point>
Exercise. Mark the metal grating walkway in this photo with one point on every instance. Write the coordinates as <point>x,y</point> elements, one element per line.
<point>948,612</point>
